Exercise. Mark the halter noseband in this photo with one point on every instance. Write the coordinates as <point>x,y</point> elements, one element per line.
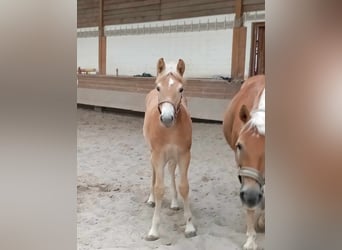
<point>251,173</point>
<point>174,106</point>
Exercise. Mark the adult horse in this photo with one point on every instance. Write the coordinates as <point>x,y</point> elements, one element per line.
<point>244,130</point>
<point>168,132</point>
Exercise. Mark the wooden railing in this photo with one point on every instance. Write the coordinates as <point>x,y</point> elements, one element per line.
<point>195,87</point>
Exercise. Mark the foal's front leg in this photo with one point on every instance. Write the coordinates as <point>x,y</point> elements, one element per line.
<point>184,161</point>
<point>158,190</point>
<point>172,168</point>
<point>251,234</point>
<point>150,200</point>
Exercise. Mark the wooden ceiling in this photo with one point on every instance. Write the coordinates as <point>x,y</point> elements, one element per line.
<point>135,11</point>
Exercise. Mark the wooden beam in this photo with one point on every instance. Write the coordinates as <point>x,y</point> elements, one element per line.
<point>239,44</point>
<point>238,13</point>
<point>102,41</point>
<point>238,52</point>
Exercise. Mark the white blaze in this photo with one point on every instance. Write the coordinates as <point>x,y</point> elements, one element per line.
<point>167,110</point>
<point>171,81</point>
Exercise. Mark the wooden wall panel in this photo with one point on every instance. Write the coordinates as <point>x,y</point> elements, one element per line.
<point>131,11</point>
<point>87,13</point>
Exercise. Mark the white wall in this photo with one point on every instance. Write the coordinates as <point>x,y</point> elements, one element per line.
<point>206,53</point>
<point>87,52</point>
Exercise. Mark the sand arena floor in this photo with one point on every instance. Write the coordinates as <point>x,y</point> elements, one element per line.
<point>114,176</point>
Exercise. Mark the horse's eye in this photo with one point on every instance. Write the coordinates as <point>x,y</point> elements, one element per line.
<point>158,88</point>
<point>181,90</point>
<point>239,146</point>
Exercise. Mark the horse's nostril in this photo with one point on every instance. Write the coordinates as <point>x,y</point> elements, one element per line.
<point>172,118</point>
<point>260,196</point>
<point>242,193</point>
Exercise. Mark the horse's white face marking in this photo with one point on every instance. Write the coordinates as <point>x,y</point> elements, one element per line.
<point>167,114</point>
<point>171,82</point>
<point>167,109</point>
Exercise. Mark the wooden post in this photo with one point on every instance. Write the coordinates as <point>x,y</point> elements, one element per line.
<point>239,43</point>
<point>102,42</point>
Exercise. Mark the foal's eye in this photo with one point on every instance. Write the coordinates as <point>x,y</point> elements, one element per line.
<point>158,88</point>
<point>181,90</point>
<point>239,146</point>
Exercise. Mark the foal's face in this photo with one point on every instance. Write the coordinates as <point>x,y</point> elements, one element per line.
<point>170,89</point>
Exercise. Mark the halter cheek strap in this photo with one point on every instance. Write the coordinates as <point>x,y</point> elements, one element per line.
<point>251,173</point>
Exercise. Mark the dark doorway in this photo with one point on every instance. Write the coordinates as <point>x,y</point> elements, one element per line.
<point>257,61</point>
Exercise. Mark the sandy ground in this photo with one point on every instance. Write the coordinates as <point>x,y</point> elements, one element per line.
<point>114,183</point>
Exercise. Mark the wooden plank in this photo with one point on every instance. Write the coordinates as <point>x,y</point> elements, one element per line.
<point>254,7</point>
<point>107,2</point>
<point>91,11</point>
<point>253,2</point>
<point>129,5</point>
<point>177,4</point>
<point>129,12</point>
<point>207,88</point>
<point>197,13</point>
<point>134,16</point>
<point>113,21</point>
<point>199,7</point>
<point>87,24</point>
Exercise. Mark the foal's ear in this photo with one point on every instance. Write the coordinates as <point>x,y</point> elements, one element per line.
<point>160,65</point>
<point>181,67</point>
<point>244,114</point>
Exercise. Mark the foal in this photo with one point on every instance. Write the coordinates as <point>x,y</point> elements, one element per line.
<point>244,130</point>
<point>168,132</point>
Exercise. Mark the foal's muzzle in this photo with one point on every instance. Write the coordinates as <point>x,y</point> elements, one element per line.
<point>167,113</point>
<point>167,120</point>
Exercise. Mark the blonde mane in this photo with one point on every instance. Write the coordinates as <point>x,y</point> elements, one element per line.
<point>258,116</point>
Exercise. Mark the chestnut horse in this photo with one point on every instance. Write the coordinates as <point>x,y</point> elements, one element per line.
<point>168,132</point>
<point>244,130</point>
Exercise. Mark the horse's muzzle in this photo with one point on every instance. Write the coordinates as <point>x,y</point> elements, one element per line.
<point>251,196</point>
<point>167,120</point>
<point>167,113</point>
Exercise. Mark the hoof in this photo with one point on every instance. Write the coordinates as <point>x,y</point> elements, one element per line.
<point>151,238</point>
<point>151,203</point>
<point>175,208</point>
<point>261,223</point>
<point>190,234</point>
<point>250,246</point>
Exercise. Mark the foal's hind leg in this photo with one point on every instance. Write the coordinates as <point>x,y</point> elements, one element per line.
<point>172,169</point>
<point>184,162</point>
<point>158,164</point>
